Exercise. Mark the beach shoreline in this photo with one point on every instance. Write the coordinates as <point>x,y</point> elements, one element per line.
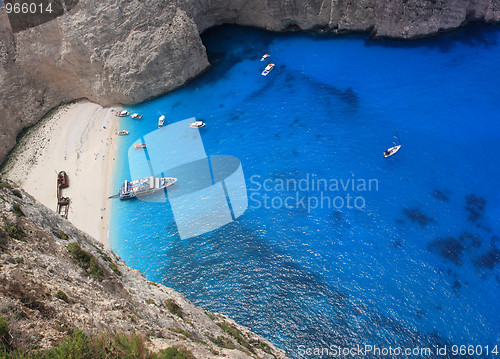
<point>80,139</point>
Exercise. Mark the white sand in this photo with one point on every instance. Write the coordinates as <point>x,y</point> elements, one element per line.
<point>71,139</point>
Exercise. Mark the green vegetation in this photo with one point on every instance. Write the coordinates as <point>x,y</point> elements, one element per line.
<point>86,260</point>
<point>4,335</point>
<point>180,331</point>
<point>80,346</point>
<point>222,342</point>
<point>5,185</point>
<point>14,311</point>
<point>14,231</point>
<point>108,259</point>
<point>114,268</point>
<point>236,334</point>
<point>17,210</point>
<point>3,240</point>
<point>176,353</point>
<point>17,193</point>
<point>210,315</point>
<point>174,308</point>
<point>61,295</point>
<point>61,235</point>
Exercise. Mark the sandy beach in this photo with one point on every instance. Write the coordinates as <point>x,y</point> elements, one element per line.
<point>79,138</point>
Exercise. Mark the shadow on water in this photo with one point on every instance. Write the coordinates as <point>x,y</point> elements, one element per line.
<point>234,271</point>
<point>474,35</point>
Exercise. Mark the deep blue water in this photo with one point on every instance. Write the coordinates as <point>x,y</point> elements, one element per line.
<point>417,265</point>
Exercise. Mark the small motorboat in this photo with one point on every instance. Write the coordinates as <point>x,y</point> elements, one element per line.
<point>122,133</point>
<point>266,56</point>
<point>122,113</point>
<point>197,124</point>
<point>268,69</point>
<point>140,145</point>
<point>161,121</point>
<point>391,151</point>
<point>136,115</point>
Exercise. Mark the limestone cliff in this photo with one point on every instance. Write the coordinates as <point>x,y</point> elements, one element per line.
<point>127,51</point>
<point>54,278</point>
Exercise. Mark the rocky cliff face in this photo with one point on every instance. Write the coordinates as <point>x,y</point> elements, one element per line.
<point>128,51</point>
<point>54,278</point>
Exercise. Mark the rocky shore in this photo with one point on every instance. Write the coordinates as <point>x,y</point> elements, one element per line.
<point>55,278</point>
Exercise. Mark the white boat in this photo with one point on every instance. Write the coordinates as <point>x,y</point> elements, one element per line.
<point>268,69</point>
<point>161,121</point>
<point>265,57</point>
<point>122,133</point>
<point>138,146</point>
<point>136,115</point>
<point>197,124</point>
<point>391,151</point>
<point>122,113</point>
<point>144,186</point>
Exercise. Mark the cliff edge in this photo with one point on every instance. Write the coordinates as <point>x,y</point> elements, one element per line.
<point>53,279</point>
<point>129,51</point>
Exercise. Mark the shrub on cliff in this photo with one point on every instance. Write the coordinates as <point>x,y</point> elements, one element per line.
<point>86,260</point>
<point>4,335</point>
<point>103,346</point>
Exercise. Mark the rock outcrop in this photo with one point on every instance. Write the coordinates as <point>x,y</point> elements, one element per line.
<point>53,278</point>
<point>129,51</point>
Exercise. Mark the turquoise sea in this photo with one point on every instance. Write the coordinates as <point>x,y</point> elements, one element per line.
<point>411,260</point>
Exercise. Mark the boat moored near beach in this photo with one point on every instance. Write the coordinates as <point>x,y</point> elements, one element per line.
<point>144,186</point>
<point>140,145</point>
<point>122,133</point>
<point>197,124</point>
<point>161,121</point>
<point>136,115</point>
<point>265,57</point>
<point>268,69</point>
<point>122,113</point>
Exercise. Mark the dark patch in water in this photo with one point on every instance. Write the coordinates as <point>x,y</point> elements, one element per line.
<point>277,136</point>
<point>420,313</point>
<point>443,196</point>
<point>438,308</point>
<point>289,77</point>
<point>489,260</point>
<point>397,244</point>
<point>400,221</point>
<point>338,220</point>
<point>448,248</point>
<point>221,105</point>
<point>494,240</point>
<point>456,286</point>
<point>234,117</point>
<point>474,35</point>
<point>417,216</point>
<point>470,240</point>
<point>350,97</point>
<point>295,153</point>
<point>475,205</point>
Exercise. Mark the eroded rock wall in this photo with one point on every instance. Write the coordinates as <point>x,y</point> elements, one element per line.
<point>129,51</point>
